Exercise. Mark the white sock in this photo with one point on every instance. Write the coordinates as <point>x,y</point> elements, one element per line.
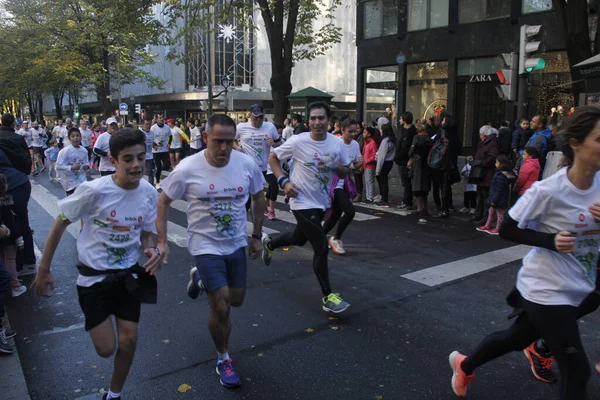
<point>113,395</point>
<point>224,356</point>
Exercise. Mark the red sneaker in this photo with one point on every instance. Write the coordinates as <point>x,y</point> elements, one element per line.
<point>271,214</point>
<point>494,231</point>
<point>483,229</point>
<point>460,380</point>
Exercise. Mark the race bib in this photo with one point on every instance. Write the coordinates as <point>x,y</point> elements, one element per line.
<point>586,253</point>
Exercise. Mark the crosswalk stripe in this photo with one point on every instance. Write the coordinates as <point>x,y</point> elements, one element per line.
<point>357,217</point>
<point>390,210</point>
<point>454,270</point>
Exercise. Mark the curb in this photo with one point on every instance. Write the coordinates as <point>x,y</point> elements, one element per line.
<point>12,378</point>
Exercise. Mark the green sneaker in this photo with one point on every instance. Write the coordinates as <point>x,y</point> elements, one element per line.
<point>267,253</point>
<point>334,303</point>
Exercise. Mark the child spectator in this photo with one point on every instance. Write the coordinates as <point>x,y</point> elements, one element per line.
<point>470,194</point>
<point>499,195</point>
<point>52,155</point>
<point>369,154</point>
<point>520,138</point>
<point>11,238</point>
<point>529,172</point>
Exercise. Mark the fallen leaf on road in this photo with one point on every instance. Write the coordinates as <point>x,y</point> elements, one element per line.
<point>379,213</point>
<point>335,328</point>
<point>93,366</point>
<point>102,390</point>
<point>378,397</point>
<point>183,388</point>
<point>332,318</point>
<point>255,325</point>
<point>181,302</point>
<point>286,249</point>
<point>309,330</point>
<point>260,354</point>
<point>166,341</point>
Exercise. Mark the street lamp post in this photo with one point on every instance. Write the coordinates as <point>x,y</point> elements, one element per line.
<point>226,82</point>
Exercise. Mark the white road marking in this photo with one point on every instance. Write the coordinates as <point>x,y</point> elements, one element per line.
<point>454,270</point>
<point>61,330</point>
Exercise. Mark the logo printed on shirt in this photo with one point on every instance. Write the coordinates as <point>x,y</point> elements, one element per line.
<point>211,186</point>
<point>113,213</point>
<point>581,217</point>
<point>240,189</point>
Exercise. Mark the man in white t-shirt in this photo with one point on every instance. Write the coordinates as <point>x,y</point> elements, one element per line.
<point>57,129</point>
<point>86,135</point>
<point>216,184</point>
<point>25,132</point>
<point>149,134</point>
<point>102,148</point>
<point>288,131</point>
<point>38,138</point>
<point>196,142</point>
<point>176,142</point>
<point>64,132</point>
<point>119,212</point>
<point>317,156</point>
<point>160,150</point>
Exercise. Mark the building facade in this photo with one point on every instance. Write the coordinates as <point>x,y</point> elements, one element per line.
<point>433,57</point>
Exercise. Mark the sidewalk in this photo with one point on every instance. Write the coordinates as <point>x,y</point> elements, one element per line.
<point>12,380</point>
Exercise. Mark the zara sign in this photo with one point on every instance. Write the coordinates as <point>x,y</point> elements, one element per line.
<point>481,78</point>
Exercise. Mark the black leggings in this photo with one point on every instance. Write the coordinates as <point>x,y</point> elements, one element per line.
<point>341,204</point>
<point>557,325</point>
<point>382,180</point>
<point>273,189</point>
<point>358,181</point>
<point>309,228</point>
<point>162,163</point>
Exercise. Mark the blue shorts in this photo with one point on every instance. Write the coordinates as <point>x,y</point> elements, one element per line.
<point>218,271</point>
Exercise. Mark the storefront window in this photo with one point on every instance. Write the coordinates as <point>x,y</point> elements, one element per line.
<point>427,89</point>
<point>381,18</point>
<point>479,10</point>
<point>424,14</point>
<point>380,92</point>
<point>532,6</point>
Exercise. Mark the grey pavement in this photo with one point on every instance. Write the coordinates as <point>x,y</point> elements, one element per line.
<point>392,343</point>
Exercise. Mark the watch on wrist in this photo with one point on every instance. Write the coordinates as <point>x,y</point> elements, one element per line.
<point>257,236</point>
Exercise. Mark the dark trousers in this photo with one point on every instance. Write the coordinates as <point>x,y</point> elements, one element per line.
<point>4,288</point>
<point>162,163</point>
<point>383,180</point>
<point>470,199</point>
<point>358,181</point>
<point>341,204</point>
<point>273,188</point>
<point>150,171</point>
<point>309,228</point>
<point>407,197</point>
<point>482,202</point>
<point>446,191</point>
<point>437,181</point>
<point>21,195</point>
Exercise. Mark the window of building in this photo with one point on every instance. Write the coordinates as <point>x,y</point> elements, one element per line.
<point>479,10</point>
<point>532,6</point>
<point>381,86</point>
<point>424,14</point>
<point>427,89</point>
<point>380,18</point>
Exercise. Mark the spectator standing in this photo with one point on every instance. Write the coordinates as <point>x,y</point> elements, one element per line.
<point>419,170</point>
<point>370,162</point>
<point>385,162</point>
<point>470,194</point>
<point>449,174</point>
<point>407,132</point>
<point>484,159</point>
<point>529,172</point>
<point>504,138</point>
<point>11,238</point>
<point>499,195</point>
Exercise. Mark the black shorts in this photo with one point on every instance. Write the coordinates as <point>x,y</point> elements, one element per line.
<point>174,151</point>
<point>38,150</point>
<point>104,173</point>
<point>99,302</point>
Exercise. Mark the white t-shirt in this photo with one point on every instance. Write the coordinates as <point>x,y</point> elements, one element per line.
<point>287,132</point>
<point>56,131</point>
<point>86,135</point>
<point>550,206</point>
<point>26,133</point>
<point>254,141</point>
<point>37,140</point>
<point>196,138</point>
<point>113,221</point>
<point>64,134</point>
<point>161,135</point>
<point>149,143</point>
<point>66,158</point>
<point>314,166</point>
<point>102,143</point>
<point>216,197</point>
<point>353,150</point>
<point>176,137</point>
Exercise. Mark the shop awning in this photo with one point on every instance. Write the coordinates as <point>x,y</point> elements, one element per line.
<point>589,61</point>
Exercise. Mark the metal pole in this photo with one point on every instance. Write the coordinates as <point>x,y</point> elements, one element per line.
<point>120,89</point>
<point>209,66</point>
<point>521,97</point>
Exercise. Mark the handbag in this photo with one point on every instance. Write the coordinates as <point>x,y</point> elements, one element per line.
<point>478,171</point>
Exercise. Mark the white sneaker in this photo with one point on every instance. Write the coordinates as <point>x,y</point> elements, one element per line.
<point>337,246</point>
<point>463,210</point>
<point>422,221</point>
<point>377,198</point>
<point>16,292</point>
<point>157,186</point>
<point>472,212</point>
<point>28,269</point>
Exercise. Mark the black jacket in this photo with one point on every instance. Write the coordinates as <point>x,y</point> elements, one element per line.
<point>520,138</point>
<point>504,141</point>
<point>404,143</point>
<point>7,217</point>
<point>500,188</point>
<point>15,148</point>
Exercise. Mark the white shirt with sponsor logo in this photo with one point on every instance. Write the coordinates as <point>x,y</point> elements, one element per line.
<point>216,197</point>
<point>86,135</point>
<point>113,221</point>
<point>149,143</point>
<point>353,150</point>
<point>64,135</point>
<point>161,135</point>
<point>38,137</point>
<point>67,157</point>
<point>176,137</point>
<point>102,143</point>
<point>196,138</point>
<point>314,166</point>
<point>551,206</point>
<point>254,141</point>
<point>27,135</point>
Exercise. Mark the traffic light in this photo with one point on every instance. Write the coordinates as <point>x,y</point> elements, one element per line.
<point>138,109</point>
<point>529,46</point>
<point>76,111</point>
<point>508,76</point>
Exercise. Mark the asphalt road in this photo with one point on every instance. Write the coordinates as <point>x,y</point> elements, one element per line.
<point>392,343</point>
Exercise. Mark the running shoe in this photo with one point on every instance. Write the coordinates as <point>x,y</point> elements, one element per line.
<point>334,303</point>
<point>4,346</point>
<point>402,207</point>
<point>267,253</point>
<point>105,397</point>
<point>482,229</point>
<point>43,169</point>
<point>472,211</point>
<point>460,380</point>
<point>229,378</point>
<point>422,221</point>
<point>157,186</point>
<point>541,364</point>
<point>383,204</point>
<point>493,231</point>
<point>195,287</point>
<point>17,291</point>
<point>266,211</point>
<point>463,210</point>
<point>36,173</point>
<point>10,333</point>
<point>337,246</point>
<point>271,214</point>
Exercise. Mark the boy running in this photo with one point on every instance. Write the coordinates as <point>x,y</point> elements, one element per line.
<point>72,163</point>
<point>119,212</point>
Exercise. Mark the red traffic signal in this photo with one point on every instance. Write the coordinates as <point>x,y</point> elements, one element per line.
<point>504,80</point>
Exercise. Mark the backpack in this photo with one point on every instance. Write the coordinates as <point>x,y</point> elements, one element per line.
<point>438,158</point>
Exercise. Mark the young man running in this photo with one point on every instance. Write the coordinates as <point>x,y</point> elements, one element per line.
<point>216,183</point>
<point>149,134</point>
<point>102,148</point>
<point>317,156</point>
<point>161,147</point>
<point>119,213</point>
